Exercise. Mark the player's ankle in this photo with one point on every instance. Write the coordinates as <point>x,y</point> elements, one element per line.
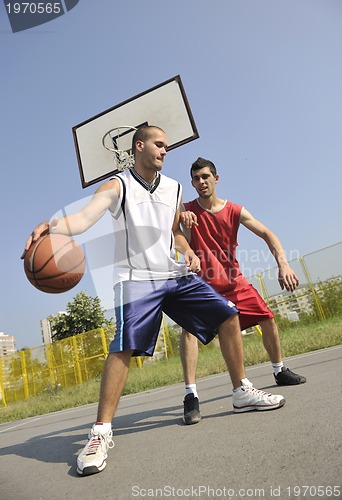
<point>191,389</point>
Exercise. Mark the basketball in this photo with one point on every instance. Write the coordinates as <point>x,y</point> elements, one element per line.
<point>54,263</point>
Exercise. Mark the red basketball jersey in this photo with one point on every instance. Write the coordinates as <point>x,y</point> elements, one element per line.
<point>214,241</point>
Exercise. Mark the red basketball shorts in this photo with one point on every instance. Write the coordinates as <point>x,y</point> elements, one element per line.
<point>251,306</point>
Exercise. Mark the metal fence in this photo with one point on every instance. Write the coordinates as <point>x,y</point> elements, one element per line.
<point>64,363</point>
<point>316,271</point>
<point>74,360</point>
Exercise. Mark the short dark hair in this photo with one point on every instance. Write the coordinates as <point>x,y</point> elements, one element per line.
<point>143,134</point>
<point>202,163</point>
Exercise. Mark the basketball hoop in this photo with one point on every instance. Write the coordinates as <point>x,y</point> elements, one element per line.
<point>119,142</point>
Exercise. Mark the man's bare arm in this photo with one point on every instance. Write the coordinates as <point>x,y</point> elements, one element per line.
<point>105,197</point>
<point>287,277</point>
<point>182,246</point>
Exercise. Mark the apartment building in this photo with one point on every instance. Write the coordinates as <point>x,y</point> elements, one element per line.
<point>7,344</point>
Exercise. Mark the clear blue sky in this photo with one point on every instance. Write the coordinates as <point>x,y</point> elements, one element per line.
<point>263,78</point>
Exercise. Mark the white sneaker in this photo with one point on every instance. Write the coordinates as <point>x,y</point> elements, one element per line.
<point>92,458</point>
<point>247,398</point>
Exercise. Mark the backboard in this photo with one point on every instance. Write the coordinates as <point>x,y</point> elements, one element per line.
<point>164,105</point>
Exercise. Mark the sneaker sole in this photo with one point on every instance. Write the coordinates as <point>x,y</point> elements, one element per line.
<point>259,408</point>
<point>192,421</point>
<point>91,469</point>
<point>88,471</point>
<point>296,382</point>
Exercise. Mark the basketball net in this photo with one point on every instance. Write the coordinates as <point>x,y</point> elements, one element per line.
<point>114,140</point>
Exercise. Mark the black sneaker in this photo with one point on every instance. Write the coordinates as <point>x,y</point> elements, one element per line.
<point>192,413</point>
<point>287,377</point>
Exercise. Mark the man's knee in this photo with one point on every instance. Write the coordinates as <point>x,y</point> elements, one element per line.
<point>231,324</point>
<point>268,325</point>
<point>188,337</point>
<point>119,357</point>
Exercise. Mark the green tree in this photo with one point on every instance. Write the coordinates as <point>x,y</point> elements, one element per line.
<point>83,314</point>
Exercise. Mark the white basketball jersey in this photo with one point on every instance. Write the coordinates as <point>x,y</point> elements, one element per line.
<point>143,219</point>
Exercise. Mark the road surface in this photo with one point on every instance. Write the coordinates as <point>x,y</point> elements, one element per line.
<point>293,452</point>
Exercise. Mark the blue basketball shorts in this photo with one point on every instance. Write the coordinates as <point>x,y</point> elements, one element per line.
<point>189,301</point>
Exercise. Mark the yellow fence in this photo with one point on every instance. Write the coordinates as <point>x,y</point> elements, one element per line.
<point>63,363</point>
<point>74,360</point>
<point>316,272</point>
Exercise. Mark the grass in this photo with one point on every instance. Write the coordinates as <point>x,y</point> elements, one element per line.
<point>296,339</point>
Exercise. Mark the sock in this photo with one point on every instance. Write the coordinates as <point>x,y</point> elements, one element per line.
<point>244,382</point>
<point>277,367</point>
<point>191,389</point>
<point>102,427</point>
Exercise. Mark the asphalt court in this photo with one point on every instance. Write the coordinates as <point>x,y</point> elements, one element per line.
<point>292,452</point>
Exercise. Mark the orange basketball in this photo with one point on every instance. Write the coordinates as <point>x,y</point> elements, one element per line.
<point>54,263</point>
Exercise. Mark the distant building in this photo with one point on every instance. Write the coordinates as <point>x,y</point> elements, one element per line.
<point>46,331</point>
<point>298,301</point>
<point>7,344</point>
<point>291,305</point>
<point>45,328</point>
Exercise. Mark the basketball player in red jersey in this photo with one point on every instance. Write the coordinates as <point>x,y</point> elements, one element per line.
<point>213,225</point>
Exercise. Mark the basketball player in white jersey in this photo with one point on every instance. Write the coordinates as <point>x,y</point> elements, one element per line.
<point>148,281</point>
